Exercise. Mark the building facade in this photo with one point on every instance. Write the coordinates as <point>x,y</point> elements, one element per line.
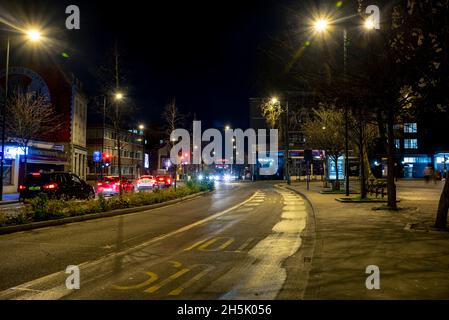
<point>64,150</point>
<point>103,138</point>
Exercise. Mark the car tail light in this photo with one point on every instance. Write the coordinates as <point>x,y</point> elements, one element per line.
<point>117,183</point>
<point>22,187</point>
<point>99,184</point>
<point>51,186</point>
<point>36,174</point>
<point>168,181</point>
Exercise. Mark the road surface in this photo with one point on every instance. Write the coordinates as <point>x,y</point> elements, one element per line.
<point>243,241</point>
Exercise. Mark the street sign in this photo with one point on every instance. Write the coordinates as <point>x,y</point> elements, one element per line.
<point>97,156</point>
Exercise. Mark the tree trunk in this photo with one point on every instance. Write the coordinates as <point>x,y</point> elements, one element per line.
<point>119,164</point>
<point>337,182</point>
<point>443,206</point>
<point>25,162</point>
<point>391,186</point>
<point>363,192</point>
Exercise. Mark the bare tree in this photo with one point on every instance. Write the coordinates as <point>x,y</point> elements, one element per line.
<point>325,132</point>
<point>30,117</point>
<point>173,119</point>
<point>271,112</point>
<point>117,108</point>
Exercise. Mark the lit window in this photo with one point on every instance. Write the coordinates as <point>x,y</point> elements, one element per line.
<point>411,143</point>
<point>410,128</point>
<point>397,143</point>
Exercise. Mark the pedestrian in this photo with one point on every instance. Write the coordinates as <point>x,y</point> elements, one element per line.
<point>427,174</point>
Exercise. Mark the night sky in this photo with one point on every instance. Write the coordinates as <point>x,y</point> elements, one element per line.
<point>206,54</point>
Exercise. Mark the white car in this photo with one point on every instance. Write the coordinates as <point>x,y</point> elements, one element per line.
<point>145,183</point>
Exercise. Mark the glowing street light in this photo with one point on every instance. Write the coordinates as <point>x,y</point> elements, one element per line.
<point>369,24</point>
<point>118,96</point>
<point>274,100</point>
<point>321,25</point>
<point>141,126</point>
<point>227,127</point>
<point>34,35</point>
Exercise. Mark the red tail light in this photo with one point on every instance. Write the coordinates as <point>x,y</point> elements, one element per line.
<point>117,183</point>
<point>168,181</point>
<point>99,184</point>
<point>51,186</point>
<point>21,187</point>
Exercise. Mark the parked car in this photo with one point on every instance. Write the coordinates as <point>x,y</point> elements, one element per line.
<point>57,185</point>
<point>145,183</point>
<point>163,181</point>
<point>110,185</point>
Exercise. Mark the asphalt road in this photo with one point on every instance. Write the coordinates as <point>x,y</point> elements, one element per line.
<point>243,241</point>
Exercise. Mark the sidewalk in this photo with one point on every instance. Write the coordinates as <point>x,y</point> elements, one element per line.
<point>349,237</point>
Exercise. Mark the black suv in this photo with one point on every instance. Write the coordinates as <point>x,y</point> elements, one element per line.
<point>58,185</point>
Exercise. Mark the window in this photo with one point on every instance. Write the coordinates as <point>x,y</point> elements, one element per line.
<point>397,143</point>
<point>411,143</point>
<point>410,128</point>
<point>7,172</point>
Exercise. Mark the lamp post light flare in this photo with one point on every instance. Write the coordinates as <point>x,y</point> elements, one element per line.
<point>321,25</point>
<point>34,35</point>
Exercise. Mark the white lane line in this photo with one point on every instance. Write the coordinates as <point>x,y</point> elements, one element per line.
<point>267,275</point>
<point>52,286</point>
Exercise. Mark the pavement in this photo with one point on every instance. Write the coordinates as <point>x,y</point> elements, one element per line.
<point>413,263</point>
<point>243,241</point>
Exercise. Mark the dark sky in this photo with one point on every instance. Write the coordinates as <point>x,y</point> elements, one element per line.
<point>203,53</point>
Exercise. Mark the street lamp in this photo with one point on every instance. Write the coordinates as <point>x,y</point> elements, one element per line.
<point>369,24</point>
<point>32,35</point>
<point>321,25</point>
<point>275,101</point>
<point>118,96</point>
<point>141,128</point>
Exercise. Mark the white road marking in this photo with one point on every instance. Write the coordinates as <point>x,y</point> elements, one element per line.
<point>267,275</point>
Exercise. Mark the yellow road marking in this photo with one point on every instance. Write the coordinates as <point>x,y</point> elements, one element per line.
<point>205,247</point>
<point>153,278</point>
<point>168,280</point>
<point>244,245</point>
<point>51,281</point>
<point>192,280</point>
<point>196,244</point>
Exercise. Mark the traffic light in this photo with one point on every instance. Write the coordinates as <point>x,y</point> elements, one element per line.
<point>107,159</point>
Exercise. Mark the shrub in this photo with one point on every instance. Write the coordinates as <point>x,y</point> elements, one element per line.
<point>39,207</point>
<point>102,202</point>
<point>55,208</point>
<point>3,218</point>
<point>21,216</point>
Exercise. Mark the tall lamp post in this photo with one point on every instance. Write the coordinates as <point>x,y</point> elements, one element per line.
<point>321,26</point>
<point>142,128</point>
<point>118,96</point>
<point>34,36</point>
<point>275,101</point>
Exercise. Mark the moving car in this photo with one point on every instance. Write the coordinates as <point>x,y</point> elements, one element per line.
<point>145,182</point>
<point>110,185</point>
<point>163,181</point>
<point>58,185</point>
